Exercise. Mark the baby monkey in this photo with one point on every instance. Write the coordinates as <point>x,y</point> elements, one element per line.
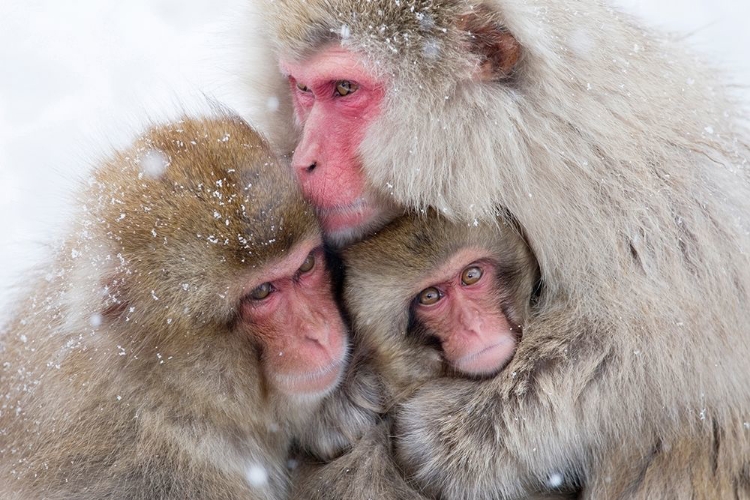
<point>428,298</point>
<point>186,329</point>
<point>431,297</point>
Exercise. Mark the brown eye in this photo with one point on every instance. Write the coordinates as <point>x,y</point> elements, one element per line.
<point>302,87</point>
<point>308,264</point>
<point>471,275</point>
<point>429,296</point>
<point>345,87</point>
<point>262,291</point>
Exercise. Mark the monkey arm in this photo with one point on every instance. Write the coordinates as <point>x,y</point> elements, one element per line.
<point>683,467</point>
<point>462,444</point>
<point>531,428</point>
<point>621,407</point>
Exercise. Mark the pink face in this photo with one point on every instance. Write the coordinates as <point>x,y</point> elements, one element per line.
<point>460,305</point>
<point>290,309</point>
<point>335,100</point>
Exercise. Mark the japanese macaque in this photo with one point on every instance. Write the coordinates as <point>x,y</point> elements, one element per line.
<point>428,298</point>
<point>187,327</point>
<point>623,160</point>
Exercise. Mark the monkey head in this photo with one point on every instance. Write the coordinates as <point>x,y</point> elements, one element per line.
<point>209,248</point>
<point>353,80</point>
<point>430,296</point>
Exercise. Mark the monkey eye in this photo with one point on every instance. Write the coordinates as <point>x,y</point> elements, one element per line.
<point>302,87</point>
<point>471,275</point>
<point>308,264</point>
<point>261,291</point>
<point>429,296</point>
<point>345,87</point>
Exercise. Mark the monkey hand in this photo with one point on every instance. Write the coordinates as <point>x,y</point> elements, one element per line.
<point>367,470</point>
<point>346,415</point>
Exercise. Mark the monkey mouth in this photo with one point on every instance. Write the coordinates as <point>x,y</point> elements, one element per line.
<point>344,224</point>
<point>313,383</point>
<point>488,360</point>
<point>343,217</point>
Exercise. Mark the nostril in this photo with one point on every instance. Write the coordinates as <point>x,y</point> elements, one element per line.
<point>311,168</point>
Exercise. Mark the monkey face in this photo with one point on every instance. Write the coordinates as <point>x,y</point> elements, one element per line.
<point>219,245</point>
<point>289,307</point>
<point>335,96</point>
<point>449,297</point>
<point>462,308</point>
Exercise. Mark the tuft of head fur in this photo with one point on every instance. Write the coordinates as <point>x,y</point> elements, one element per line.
<point>222,206</point>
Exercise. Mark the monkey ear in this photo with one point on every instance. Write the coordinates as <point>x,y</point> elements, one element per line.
<point>497,48</point>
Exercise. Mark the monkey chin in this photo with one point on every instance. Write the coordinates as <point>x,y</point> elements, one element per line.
<point>313,385</point>
<point>489,360</point>
<point>343,226</point>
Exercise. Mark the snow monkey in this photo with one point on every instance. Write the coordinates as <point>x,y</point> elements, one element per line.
<point>428,298</point>
<point>622,158</point>
<point>186,329</point>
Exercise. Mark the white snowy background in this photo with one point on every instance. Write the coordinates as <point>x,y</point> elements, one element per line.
<point>78,78</point>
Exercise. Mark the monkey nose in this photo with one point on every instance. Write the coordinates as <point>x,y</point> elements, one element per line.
<point>303,171</point>
<point>471,320</point>
<point>317,332</point>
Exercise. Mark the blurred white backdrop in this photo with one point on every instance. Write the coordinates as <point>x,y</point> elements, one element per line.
<point>78,78</point>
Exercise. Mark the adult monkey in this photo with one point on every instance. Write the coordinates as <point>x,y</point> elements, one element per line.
<point>185,332</point>
<point>624,163</point>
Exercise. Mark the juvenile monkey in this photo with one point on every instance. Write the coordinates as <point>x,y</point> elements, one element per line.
<point>184,332</point>
<point>428,298</point>
<point>623,160</point>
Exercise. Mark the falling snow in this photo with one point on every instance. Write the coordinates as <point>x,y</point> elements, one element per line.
<point>256,476</point>
<point>431,49</point>
<point>154,163</point>
<point>555,480</point>
<point>147,59</point>
<point>95,320</point>
<point>272,104</point>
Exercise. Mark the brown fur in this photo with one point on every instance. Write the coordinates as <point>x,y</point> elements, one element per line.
<point>383,276</point>
<point>347,414</point>
<point>623,159</point>
<point>367,470</point>
<point>123,375</point>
